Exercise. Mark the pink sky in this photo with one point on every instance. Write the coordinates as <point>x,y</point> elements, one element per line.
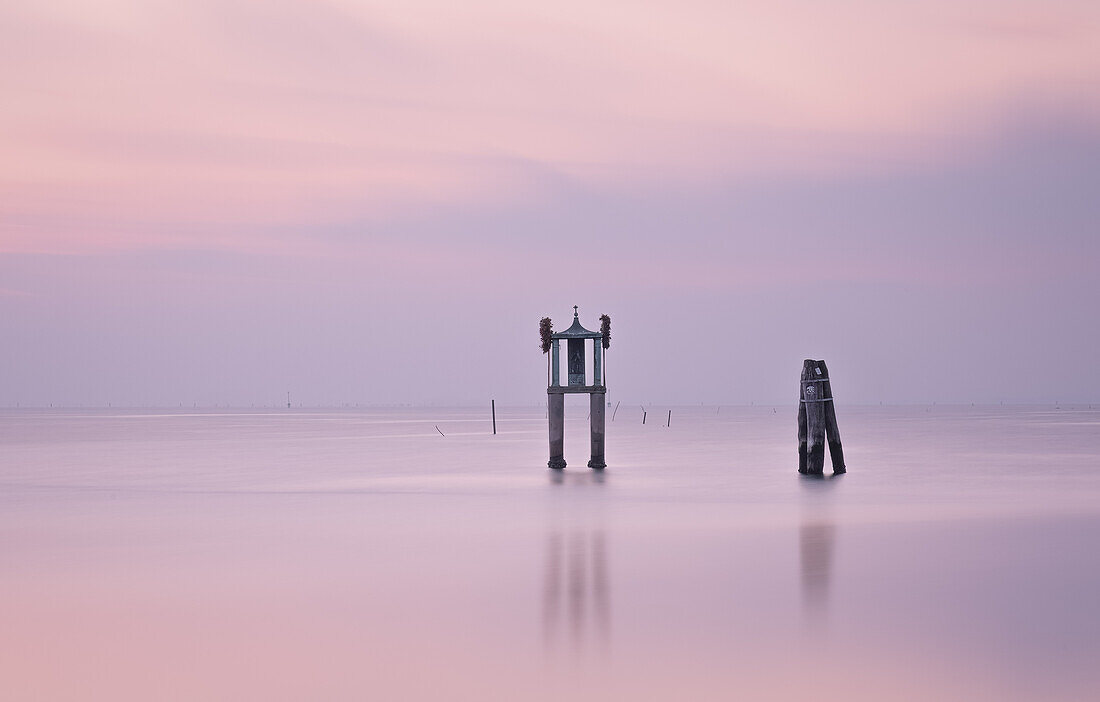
<point>185,188</point>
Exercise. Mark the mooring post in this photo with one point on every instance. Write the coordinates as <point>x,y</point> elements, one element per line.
<point>815,418</point>
<point>836,451</point>
<point>494,417</point>
<point>598,412</point>
<point>802,421</point>
<point>556,410</point>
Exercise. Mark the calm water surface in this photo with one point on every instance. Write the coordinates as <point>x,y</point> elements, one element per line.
<point>359,554</point>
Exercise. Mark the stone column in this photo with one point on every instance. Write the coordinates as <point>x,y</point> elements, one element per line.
<point>597,364</point>
<point>597,406</point>
<point>555,366</point>
<point>556,411</point>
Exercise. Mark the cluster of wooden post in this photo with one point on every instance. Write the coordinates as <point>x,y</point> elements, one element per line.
<point>817,421</point>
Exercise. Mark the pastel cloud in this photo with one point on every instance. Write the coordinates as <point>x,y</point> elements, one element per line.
<point>135,123</point>
<point>243,193</point>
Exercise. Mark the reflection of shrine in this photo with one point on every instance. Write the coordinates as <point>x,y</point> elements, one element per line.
<point>575,588</point>
<point>576,337</point>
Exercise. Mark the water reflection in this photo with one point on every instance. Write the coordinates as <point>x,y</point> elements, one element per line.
<point>817,540</point>
<point>591,477</point>
<point>576,602</point>
<point>817,544</point>
<point>575,589</point>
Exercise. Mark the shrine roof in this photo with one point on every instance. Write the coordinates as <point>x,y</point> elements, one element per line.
<point>576,331</point>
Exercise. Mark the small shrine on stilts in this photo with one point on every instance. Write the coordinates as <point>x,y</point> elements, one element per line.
<point>576,338</point>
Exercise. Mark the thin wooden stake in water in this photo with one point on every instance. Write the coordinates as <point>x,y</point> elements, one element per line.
<point>494,417</point>
<point>617,410</point>
<point>669,419</point>
<point>643,416</point>
<point>437,429</point>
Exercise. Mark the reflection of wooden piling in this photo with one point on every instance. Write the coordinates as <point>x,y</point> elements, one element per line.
<point>816,545</point>
<point>557,430</point>
<point>816,420</point>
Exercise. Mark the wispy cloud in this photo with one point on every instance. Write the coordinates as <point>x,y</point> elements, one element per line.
<point>233,188</point>
<point>131,120</point>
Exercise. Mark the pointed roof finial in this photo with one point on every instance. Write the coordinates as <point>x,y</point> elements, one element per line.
<point>576,331</point>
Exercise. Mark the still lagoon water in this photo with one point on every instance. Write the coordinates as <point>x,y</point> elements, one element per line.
<point>410,554</point>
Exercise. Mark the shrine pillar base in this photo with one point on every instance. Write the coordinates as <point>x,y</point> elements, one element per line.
<point>598,413</point>
<point>556,415</point>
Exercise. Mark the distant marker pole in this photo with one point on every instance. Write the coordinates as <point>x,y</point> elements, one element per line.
<point>669,419</point>
<point>494,417</point>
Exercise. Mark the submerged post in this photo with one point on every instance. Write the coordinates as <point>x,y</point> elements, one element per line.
<point>816,420</point>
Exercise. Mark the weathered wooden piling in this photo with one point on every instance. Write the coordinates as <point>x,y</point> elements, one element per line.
<point>802,424</point>
<point>815,418</point>
<point>494,405</point>
<point>817,421</point>
<point>836,450</point>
